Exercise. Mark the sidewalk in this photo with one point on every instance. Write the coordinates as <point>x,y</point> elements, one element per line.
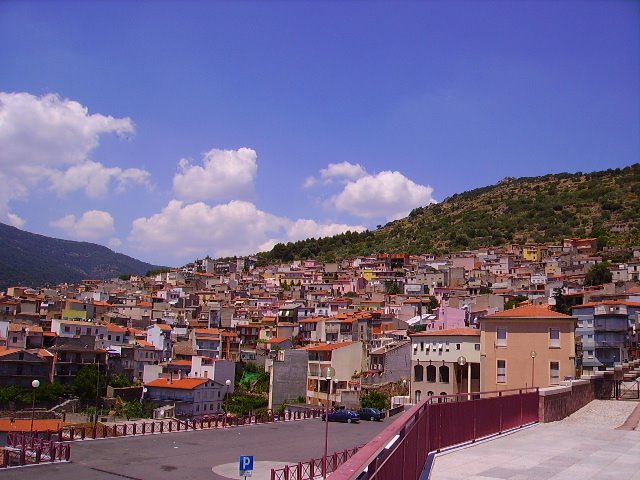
<point>585,445</point>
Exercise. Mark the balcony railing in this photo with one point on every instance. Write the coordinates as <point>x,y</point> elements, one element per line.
<point>401,450</point>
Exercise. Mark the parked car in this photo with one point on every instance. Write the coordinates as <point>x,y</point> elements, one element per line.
<point>372,414</point>
<point>346,416</point>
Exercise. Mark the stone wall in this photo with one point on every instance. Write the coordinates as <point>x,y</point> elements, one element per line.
<point>556,403</point>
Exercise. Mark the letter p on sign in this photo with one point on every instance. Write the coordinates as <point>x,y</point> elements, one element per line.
<point>246,463</point>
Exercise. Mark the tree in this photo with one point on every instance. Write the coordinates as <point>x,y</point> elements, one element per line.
<point>89,384</point>
<point>597,275</point>
<point>374,400</point>
<point>509,304</point>
<point>562,305</point>
<point>119,381</point>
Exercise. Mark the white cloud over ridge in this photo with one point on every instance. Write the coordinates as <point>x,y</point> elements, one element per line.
<point>92,226</point>
<point>341,172</point>
<point>386,194</point>
<point>48,140</point>
<point>238,227</point>
<point>223,175</point>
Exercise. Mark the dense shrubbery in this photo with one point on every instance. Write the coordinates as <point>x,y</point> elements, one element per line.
<point>534,209</point>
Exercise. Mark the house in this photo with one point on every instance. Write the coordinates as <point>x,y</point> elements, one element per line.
<point>25,336</point>
<point>159,334</point>
<point>346,358</point>
<point>192,397</point>
<point>526,346</point>
<point>135,356</point>
<point>606,329</point>
<point>445,362</point>
<point>390,362</point>
<point>19,367</point>
<point>73,354</point>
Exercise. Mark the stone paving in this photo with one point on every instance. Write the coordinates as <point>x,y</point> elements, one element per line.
<point>585,445</point>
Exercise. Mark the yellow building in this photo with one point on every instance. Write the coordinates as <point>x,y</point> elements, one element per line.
<point>526,346</point>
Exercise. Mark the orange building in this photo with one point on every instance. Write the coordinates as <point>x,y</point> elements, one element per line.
<point>526,346</point>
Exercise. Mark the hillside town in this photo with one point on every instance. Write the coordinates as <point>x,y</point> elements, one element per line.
<point>407,326</point>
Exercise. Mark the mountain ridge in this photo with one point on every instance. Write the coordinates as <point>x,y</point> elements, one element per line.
<point>32,259</point>
<point>603,204</point>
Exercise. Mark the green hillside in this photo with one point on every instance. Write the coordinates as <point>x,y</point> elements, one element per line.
<point>604,204</point>
<point>28,259</point>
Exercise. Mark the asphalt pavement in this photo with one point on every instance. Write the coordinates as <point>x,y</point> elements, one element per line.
<point>201,455</point>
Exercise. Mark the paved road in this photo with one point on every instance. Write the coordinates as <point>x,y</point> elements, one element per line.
<point>195,455</point>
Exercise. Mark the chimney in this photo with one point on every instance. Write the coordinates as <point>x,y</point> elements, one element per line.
<point>170,377</point>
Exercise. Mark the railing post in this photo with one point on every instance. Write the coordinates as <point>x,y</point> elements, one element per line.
<point>501,401</point>
<point>521,407</point>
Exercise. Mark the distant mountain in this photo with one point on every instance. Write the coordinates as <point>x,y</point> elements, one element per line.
<point>604,204</point>
<point>28,259</point>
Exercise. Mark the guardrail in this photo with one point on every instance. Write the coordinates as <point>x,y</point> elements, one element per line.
<point>73,433</point>
<point>401,450</point>
<point>25,449</point>
<point>312,468</point>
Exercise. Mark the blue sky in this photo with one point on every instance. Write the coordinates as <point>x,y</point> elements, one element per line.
<point>173,130</point>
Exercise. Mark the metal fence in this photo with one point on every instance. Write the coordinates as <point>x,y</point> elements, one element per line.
<point>100,430</point>
<point>25,449</point>
<point>312,468</point>
<point>401,450</point>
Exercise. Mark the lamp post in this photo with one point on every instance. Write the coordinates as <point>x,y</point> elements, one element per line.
<point>328,375</point>
<point>462,361</point>
<point>226,396</point>
<point>533,366</point>
<point>34,384</point>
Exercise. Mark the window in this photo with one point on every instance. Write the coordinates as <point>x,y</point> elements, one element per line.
<point>431,373</point>
<point>66,328</point>
<point>501,337</point>
<point>477,347</point>
<point>457,346</point>
<point>418,373</point>
<point>444,374</point>
<point>554,338</point>
<point>418,395</point>
<point>422,346</point>
<point>554,376</point>
<point>502,371</point>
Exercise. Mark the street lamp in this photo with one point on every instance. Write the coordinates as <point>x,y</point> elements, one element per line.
<point>533,366</point>
<point>462,361</point>
<point>34,384</point>
<point>329,373</point>
<point>226,397</point>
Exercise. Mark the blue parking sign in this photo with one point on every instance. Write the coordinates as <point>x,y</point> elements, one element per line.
<point>246,463</point>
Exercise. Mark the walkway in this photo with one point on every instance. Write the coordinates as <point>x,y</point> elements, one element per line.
<point>585,445</point>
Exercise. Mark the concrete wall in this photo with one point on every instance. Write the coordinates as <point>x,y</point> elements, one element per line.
<point>288,377</point>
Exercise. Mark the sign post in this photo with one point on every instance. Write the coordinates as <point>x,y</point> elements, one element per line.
<point>246,465</point>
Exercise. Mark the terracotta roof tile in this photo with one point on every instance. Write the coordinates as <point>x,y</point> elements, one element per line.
<point>452,332</point>
<point>179,384</point>
<point>528,311</point>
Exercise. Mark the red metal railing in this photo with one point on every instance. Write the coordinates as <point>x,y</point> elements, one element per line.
<point>401,450</point>
<point>73,433</point>
<point>312,468</point>
<point>24,449</point>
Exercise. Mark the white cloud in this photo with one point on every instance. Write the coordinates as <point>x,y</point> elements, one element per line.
<point>224,174</point>
<point>93,225</point>
<point>95,179</point>
<point>186,231</point>
<point>387,194</point>
<point>49,139</point>
<point>343,172</point>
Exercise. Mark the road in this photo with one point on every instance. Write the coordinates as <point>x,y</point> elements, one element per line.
<point>196,454</point>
